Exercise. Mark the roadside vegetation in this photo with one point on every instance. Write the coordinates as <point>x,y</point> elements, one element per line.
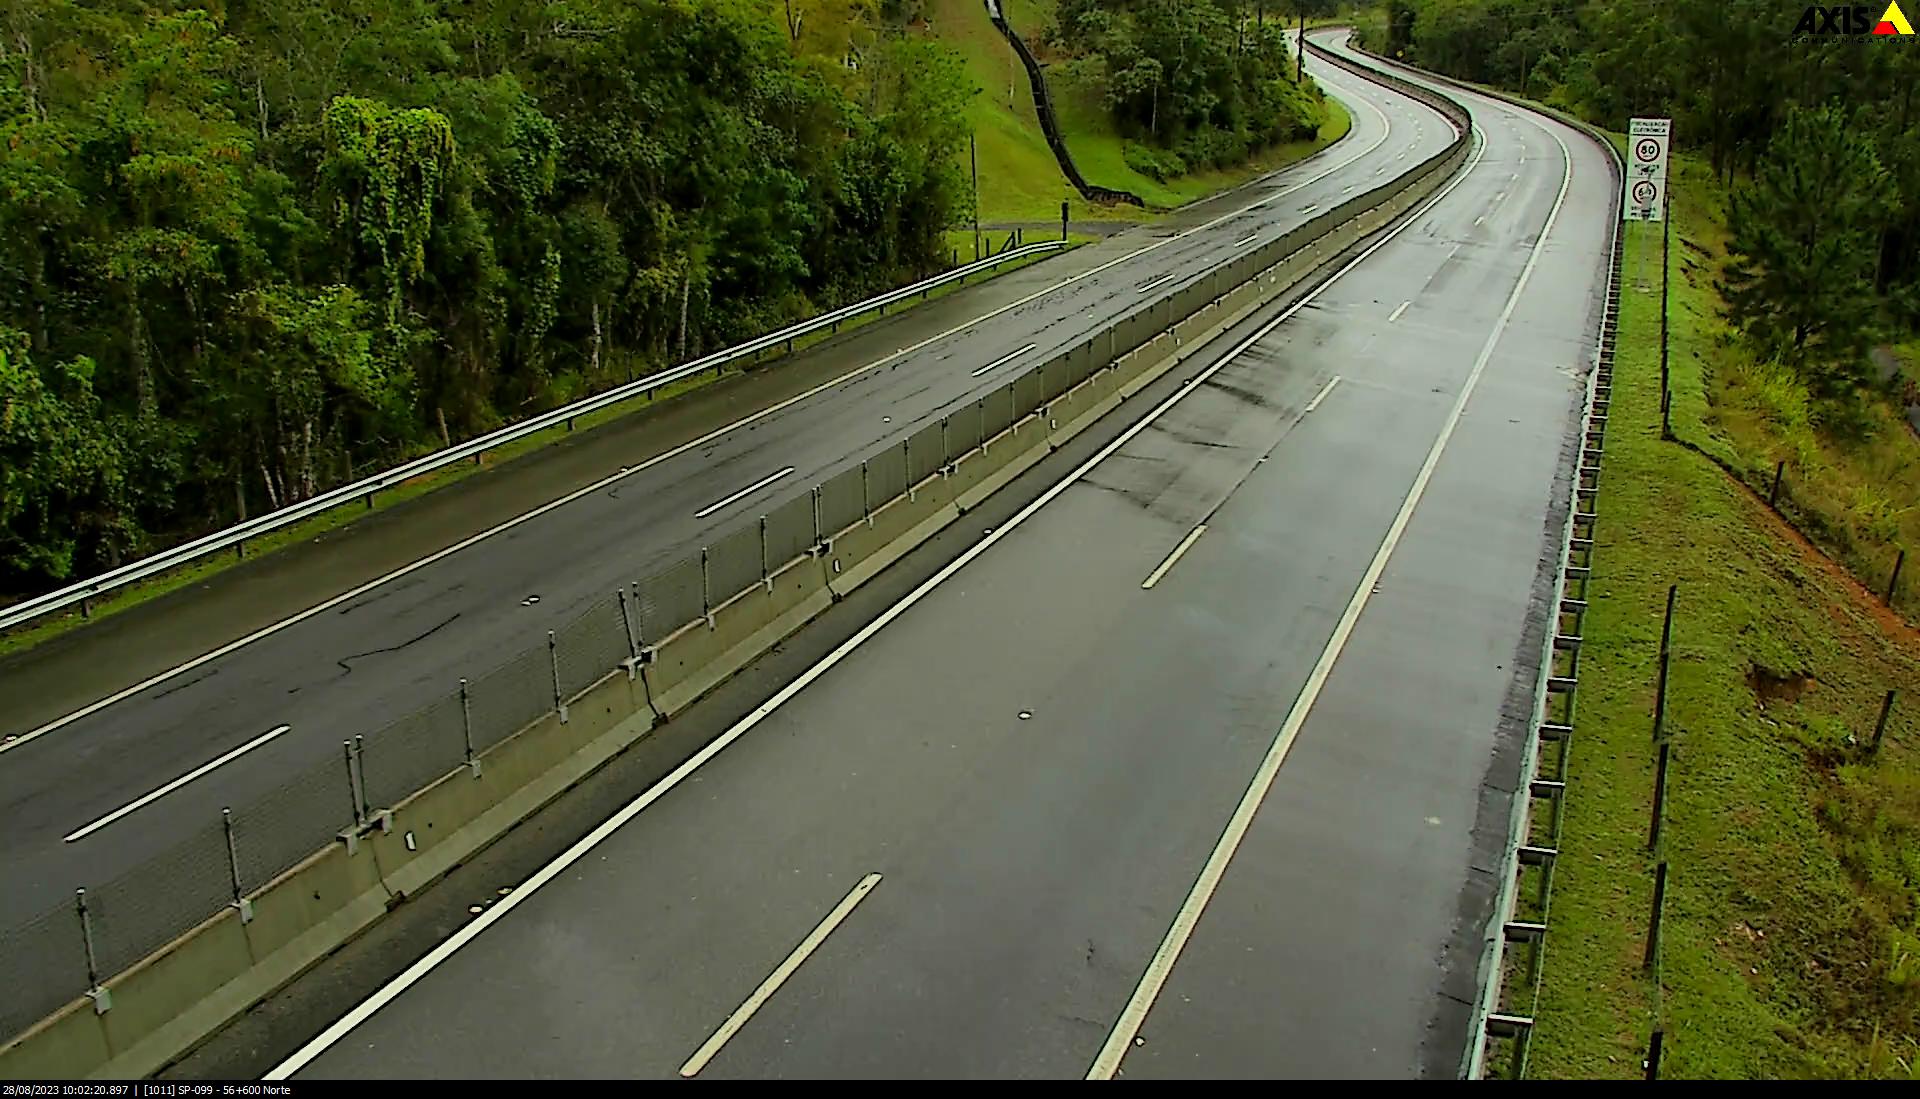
<point>253,251</point>
<point>1792,933</point>
<point>1789,947</point>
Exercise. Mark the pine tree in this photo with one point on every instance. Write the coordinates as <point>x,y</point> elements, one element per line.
<point>1804,238</point>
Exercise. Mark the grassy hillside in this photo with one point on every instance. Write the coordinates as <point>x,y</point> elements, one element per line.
<point>1791,944</point>
<point>1019,178</point>
<point>1097,147</point>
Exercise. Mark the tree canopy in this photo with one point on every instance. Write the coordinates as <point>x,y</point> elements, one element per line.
<point>249,250</point>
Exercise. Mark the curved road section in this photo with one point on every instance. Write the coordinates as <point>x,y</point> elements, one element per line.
<point>114,777</point>
<point>1199,765</point>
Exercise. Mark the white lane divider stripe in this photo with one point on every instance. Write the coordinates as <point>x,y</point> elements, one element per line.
<point>748,491</point>
<point>1161,967</point>
<point>1161,281</point>
<point>1322,395</point>
<point>170,787</point>
<point>1247,241</point>
<point>1185,544</point>
<point>1002,361</point>
<point>412,975</point>
<point>778,977</point>
<point>321,608</point>
<point>1396,313</point>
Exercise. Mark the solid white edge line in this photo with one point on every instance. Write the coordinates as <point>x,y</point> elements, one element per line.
<point>82,833</point>
<point>1161,967</point>
<point>748,491</point>
<point>1002,361</point>
<point>1322,395</point>
<point>466,934</point>
<point>778,977</point>
<point>1166,565</point>
<point>321,608</point>
<point>1400,310</point>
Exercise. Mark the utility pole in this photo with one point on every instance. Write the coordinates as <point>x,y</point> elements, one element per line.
<point>1300,50</point>
<point>973,155</point>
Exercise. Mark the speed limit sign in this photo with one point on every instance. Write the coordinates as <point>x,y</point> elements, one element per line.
<point>1647,140</point>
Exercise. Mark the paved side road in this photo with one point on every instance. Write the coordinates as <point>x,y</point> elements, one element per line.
<point>355,665</point>
<point>1200,767</point>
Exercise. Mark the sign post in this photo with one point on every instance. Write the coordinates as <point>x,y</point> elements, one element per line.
<point>1646,200</point>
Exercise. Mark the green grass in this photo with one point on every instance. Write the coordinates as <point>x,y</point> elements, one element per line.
<point>1097,147</point>
<point>1019,178</point>
<point>1794,858</point>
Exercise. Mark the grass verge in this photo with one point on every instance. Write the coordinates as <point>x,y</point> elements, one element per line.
<point>1790,944</point>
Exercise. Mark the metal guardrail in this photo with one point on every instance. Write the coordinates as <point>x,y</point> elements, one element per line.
<point>365,489</point>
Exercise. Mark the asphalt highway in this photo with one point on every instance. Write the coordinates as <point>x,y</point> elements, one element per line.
<point>1198,766</point>
<point>89,739</point>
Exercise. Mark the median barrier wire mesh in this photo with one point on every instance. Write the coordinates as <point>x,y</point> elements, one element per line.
<point>1027,396</point>
<point>409,754</point>
<point>591,645</point>
<point>733,563</point>
<point>963,431</point>
<point>842,502</point>
<point>886,476</point>
<point>510,696</point>
<point>274,832</point>
<point>789,531</point>
<point>43,958</point>
<point>160,898</point>
<point>670,598</point>
<point>926,453</point>
<point>43,964</point>
<point>997,411</point>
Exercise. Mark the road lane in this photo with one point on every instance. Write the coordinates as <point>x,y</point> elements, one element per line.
<point>375,657</point>
<point>1042,753</point>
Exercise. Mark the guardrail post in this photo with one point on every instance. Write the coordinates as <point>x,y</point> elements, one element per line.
<point>360,775</point>
<point>102,999</point>
<point>706,588</point>
<point>1666,652</point>
<point>466,727</point>
<point>553,663</point>
<point>240,900</point>
<point>1893,583</point>
<point>1659,796</point>
<point>1653,1054</point>
<point>1779,471</point>
<point>766,576</point>
<point>353,794</point>
<point>633,639</point>
<point>1659,910</point>
<point>1880,727</point>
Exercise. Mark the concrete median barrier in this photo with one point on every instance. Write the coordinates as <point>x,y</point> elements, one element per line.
<point>700,657</point>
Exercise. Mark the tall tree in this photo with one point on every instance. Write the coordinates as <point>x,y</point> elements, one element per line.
<point>1803,242</point>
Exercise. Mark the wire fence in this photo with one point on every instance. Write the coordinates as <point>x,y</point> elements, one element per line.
<point>70,948</point>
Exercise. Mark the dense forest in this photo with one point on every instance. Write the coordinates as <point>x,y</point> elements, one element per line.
<point>1814,136</point>
<point>1194,84</point>
<point>250,250</point>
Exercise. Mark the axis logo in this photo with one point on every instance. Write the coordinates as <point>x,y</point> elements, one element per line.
<point>1852,21</point>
